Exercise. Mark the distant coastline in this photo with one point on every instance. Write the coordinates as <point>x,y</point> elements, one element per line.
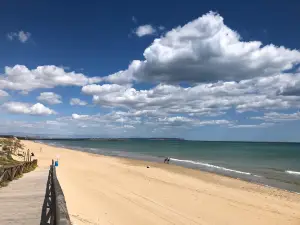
<point>90,139</point>
<point>37,137</point>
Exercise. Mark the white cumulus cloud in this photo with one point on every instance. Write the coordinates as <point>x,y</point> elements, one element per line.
<point>22,78</point>
<point>144,30</point>
<point>50,98</point>
<point>129,127</point>
<point>3,93</point>
<point>77,101</point>
<point>206,50</point>
<point>122,119</point>
<point>277,117</point>
<point>95,89</point>
<point>198,74</point>
<point>25,108</point>
<point>264,93</point>
<point>22,36</point>
<point>80,117</point>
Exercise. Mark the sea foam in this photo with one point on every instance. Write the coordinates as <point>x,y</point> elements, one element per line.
<point>292,172</point>
<point>213,166</point>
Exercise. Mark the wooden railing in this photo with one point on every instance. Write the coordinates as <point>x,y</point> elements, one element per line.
<point>8,173</point>
<point>55,209</point>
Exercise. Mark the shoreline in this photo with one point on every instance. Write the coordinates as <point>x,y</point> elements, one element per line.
<point>253,179</point>
<point>108,185</point>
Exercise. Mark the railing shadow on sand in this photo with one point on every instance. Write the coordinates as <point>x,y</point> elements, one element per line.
<point>54,210</point>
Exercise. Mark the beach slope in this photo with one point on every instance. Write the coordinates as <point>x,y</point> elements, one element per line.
<point>108,190</point>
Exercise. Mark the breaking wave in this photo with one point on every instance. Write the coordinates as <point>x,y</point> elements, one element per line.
<point>213,166</point>
<point>292,172</point>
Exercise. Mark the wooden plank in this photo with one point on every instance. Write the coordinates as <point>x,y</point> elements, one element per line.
<point>54,209</point>
<point>21,201</point>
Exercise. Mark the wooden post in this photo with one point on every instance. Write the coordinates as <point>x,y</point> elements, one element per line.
<point>13,173</point>
<point>27,155</point>
<point>3,175</point>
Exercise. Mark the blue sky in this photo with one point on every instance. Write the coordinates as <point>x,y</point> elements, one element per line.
<point>204,70</point>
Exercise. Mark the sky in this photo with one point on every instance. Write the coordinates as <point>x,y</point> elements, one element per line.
<point>199,70</point>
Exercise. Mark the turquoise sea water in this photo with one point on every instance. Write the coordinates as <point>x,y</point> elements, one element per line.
<point>273,164</point>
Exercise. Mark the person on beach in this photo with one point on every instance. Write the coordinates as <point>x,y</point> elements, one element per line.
<point>167,160</point>
<point>31,156</point>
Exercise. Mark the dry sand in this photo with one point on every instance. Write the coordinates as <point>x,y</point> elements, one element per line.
<point>108,190</point>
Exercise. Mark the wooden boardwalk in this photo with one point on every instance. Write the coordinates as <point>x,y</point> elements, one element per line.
<point>22,200</point>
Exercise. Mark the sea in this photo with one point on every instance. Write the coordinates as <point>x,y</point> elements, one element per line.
<point>267,163</point>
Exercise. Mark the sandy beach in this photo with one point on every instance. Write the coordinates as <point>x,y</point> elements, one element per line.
<point>108,190</point>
